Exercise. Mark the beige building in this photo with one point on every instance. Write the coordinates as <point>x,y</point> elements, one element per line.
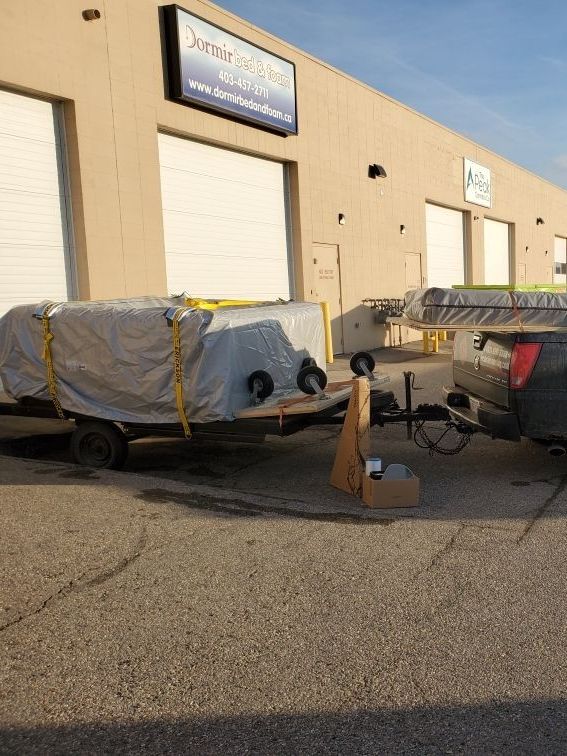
<point>111,187</point>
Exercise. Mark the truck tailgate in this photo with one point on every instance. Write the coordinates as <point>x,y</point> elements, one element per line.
<point>481,364</point>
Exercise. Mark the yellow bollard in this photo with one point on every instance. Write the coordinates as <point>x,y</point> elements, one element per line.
<point>426,342</point>
<point>328,335</point>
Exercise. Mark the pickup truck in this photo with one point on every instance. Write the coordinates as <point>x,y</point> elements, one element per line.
<point>511,386</point>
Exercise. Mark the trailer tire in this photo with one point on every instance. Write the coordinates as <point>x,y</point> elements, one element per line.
<point>360,358</point>
<point>100,445</point>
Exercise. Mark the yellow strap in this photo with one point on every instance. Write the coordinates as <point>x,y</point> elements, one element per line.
<point>179,372</point>
<point>48,359</point>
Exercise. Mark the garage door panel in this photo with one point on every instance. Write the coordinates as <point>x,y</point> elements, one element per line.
<point>445,246</point>
<point>205,277</point>
<point>27,118</point>
<point>28,168</point>
<point>34,231</point>
<point>184,193</point>
<point>225,223</point>
<point>225,165</point>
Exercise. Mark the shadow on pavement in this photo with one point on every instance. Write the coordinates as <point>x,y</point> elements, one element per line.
<point>527,727</point>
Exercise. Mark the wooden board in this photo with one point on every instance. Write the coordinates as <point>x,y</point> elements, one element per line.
<point>299,403</point>
<point>354,442</point>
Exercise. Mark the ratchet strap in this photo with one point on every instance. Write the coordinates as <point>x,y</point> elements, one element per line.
<point>178,371</point>
<point>48,359</point>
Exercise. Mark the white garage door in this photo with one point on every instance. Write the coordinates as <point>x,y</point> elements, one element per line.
<point>445,246</point>
<point>496,252</point>
<point>35,258</point>
<point>225,222</point>
<point>560,260</point>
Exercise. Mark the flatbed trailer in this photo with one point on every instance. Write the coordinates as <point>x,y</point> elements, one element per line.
<point>104,443</point>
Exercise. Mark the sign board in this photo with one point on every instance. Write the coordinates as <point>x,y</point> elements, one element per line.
<point>478,187</point>
<point>211,67</point>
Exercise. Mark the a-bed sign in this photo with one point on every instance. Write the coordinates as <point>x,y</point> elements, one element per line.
<point>478,185</point>
<point>209,66</point>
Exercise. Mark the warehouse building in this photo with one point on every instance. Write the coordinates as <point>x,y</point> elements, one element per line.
<point>148,149</point>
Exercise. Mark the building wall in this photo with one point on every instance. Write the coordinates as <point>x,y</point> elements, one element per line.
<point>110,75</point>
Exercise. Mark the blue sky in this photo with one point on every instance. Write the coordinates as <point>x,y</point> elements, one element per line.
<point>494,70</point>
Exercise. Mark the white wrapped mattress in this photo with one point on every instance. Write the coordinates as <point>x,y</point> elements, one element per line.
<point>486,309</point>
<point>114,360</point>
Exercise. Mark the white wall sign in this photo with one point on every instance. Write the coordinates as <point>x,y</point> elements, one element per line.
<point>477,181</point>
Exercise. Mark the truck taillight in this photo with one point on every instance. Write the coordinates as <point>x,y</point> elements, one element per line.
<point>522,363</point>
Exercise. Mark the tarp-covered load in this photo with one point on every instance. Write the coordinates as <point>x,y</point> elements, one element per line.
<point>114,360</point>
<point>486,309</point>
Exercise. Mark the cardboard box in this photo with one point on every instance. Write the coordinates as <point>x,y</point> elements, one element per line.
<point>398,487</point>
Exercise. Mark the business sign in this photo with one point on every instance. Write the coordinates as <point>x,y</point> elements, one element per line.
<point>210,67</point>
<point>478,187</point>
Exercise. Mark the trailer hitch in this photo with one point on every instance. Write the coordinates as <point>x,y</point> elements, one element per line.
<point>416,419</point>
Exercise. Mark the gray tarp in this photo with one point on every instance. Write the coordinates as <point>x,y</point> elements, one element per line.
<point>483,308</point>
<point>114,359</point>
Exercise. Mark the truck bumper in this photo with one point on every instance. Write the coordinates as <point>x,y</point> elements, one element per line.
<point>481,415</point>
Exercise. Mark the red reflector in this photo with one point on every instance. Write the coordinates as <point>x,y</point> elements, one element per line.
<point>522,363</point>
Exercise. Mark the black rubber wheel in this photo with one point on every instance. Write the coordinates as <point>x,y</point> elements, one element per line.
<point>310,372</point>
<point>361,358</point>
<point>309,362</point>
<point>99,444</point>
<point>266,383</point>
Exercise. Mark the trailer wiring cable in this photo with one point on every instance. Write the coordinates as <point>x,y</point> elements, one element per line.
<point>424,441</point>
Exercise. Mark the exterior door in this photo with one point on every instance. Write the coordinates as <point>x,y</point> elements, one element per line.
<point>413,270</point>
<point>226,222</point>
<point>560,260</point>
<point>327,288</point>
<point>445,246</point>
<point>496,252</point>
<point>36,256</point>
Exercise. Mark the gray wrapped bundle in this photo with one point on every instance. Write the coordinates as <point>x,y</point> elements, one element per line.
<point>114,360</point>
<point>486,309</point>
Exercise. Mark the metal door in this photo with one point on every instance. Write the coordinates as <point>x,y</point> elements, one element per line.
<point>327,288</point>
<point>413,270</point>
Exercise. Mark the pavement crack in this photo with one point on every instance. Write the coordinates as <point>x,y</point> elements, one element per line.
<point>82,583</point>
<point>443,551</point>
<point>543,508</point>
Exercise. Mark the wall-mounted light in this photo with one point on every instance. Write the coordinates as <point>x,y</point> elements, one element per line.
<point>342,219</point>
<point>402,229</point>
<point>539,221</point>
<point>527,250</point>
<point>376,171</point>
<point>91,14</point>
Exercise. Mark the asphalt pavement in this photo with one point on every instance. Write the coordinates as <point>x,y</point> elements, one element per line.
<point>225,599</point>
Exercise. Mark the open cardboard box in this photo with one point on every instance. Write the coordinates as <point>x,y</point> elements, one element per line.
<point>398,487</point>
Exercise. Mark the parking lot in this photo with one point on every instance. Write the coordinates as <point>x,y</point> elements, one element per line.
<point>223,597</point>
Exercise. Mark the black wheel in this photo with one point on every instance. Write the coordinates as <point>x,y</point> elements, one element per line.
<point>311,372</point>
<point>264,381</point>
<point>309,362</point>
<point>99,444</point>
<point>359,359</point>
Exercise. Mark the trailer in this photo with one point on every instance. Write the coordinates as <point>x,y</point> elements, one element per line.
<point>103,443</point>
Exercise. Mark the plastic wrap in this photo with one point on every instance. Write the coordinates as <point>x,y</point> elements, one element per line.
<point>114,360</point>
<point>486,308</point>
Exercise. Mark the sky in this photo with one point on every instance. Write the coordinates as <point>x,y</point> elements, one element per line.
<point>493,70</point>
